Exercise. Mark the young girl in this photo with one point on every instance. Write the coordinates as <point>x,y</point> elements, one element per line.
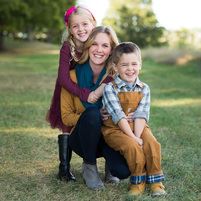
<point>127,100</point>
<point>79,23</point>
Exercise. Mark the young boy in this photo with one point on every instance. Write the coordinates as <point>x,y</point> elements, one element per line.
<point>127,100</point>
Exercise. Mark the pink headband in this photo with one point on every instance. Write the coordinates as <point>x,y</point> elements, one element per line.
<point>71,10</point>
<point>68,13</point>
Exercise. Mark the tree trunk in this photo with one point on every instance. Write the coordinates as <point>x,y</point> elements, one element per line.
<point>1,41</point>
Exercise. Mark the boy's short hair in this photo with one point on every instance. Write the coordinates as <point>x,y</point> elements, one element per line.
<point>125,48</point>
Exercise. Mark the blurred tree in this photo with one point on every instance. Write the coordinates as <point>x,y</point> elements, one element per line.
<point>30,17</point>
<point>134,20</point>
<point>185,38</point>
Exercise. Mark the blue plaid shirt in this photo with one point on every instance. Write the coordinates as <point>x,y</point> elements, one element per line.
<point>112,104</point>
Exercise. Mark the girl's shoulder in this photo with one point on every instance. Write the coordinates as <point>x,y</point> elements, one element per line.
<point>65,45</point>
<point>66,50</point>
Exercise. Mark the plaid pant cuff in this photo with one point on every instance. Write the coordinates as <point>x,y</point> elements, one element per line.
<point>154,178</point>
<point>137,179</point>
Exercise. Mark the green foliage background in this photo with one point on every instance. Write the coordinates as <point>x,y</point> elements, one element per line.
<point>134,20</point>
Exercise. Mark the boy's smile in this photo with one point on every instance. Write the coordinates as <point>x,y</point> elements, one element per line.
<point>128,67</point>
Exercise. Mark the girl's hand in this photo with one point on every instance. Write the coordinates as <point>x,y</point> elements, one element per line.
<point>104,114</point>
<point>92,97</point>
<point>129,117</point>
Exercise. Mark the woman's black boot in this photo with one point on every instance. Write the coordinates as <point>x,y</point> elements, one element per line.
<point>65,154</point>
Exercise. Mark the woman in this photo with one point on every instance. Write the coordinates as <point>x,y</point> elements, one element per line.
<point>86,138</point>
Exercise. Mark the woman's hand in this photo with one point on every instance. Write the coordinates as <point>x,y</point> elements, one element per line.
<point>92,97</point>
<point>104,114</point>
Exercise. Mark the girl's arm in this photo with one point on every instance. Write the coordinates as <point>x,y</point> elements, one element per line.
<point>64,75</point>
<point>95,95</point>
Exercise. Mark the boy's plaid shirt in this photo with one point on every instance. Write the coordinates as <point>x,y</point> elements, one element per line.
<point>112,104</point>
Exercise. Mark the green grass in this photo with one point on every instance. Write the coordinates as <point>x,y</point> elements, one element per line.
<point>28,147</point>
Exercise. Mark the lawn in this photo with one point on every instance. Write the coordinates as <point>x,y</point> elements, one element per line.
<point>28,147</point>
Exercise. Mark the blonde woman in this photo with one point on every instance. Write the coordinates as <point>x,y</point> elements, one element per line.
<point>85,118</point>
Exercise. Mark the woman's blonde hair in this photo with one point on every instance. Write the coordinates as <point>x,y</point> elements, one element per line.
<point>100,29</point>
<point>67,36</point>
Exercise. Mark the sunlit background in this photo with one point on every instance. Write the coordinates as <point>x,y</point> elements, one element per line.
<point>172,14</point>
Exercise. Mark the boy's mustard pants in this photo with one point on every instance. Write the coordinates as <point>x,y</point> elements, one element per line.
<point>141,160</point>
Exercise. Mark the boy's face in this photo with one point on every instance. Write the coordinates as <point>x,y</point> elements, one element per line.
<point>128,67</point>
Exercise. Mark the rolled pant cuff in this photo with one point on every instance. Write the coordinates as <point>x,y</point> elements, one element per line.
<point>154,178</point>
<point>137,179</point>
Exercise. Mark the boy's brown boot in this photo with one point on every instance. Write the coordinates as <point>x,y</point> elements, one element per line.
<point>136,189</point>
<point>157,189</point>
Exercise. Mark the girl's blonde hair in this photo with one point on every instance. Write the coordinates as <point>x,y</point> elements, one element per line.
<point>100,29</point>
<point>67,36</point>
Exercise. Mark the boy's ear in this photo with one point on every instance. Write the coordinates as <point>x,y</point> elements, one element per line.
<point>114,67</point>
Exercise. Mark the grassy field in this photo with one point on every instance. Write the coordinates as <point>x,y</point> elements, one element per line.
<point>28,147</point>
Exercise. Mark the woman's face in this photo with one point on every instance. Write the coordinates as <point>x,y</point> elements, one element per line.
<point>100,49</point>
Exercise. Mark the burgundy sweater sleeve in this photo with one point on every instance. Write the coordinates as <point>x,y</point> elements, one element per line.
<point>108,79</point>
<point>64,74</point>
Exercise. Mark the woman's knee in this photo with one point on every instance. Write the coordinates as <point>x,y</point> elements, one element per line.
<point>120,171</point>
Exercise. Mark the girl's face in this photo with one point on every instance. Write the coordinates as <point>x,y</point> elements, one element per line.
<point>100,49</point>
<point>80,27</point>
<point>128,67</point>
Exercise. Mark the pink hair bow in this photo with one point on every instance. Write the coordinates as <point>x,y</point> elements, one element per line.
<point>68,13</point>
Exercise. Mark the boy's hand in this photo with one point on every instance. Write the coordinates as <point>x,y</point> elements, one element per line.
<point>129,117</point>
<point>138,140</point>
<point>104,114</point>
<point>92,97</point>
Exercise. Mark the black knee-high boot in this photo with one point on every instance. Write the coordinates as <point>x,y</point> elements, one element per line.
<point>65,154</point>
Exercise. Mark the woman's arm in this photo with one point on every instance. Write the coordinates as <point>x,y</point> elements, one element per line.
<point>68,114</point>
<point>64,75</point>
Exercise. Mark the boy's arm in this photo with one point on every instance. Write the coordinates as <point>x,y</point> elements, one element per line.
<point>112,105</point>
<point>141,114</point>
<point>139,127</point>
<point>143,109</point>
<point>124,126</point>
